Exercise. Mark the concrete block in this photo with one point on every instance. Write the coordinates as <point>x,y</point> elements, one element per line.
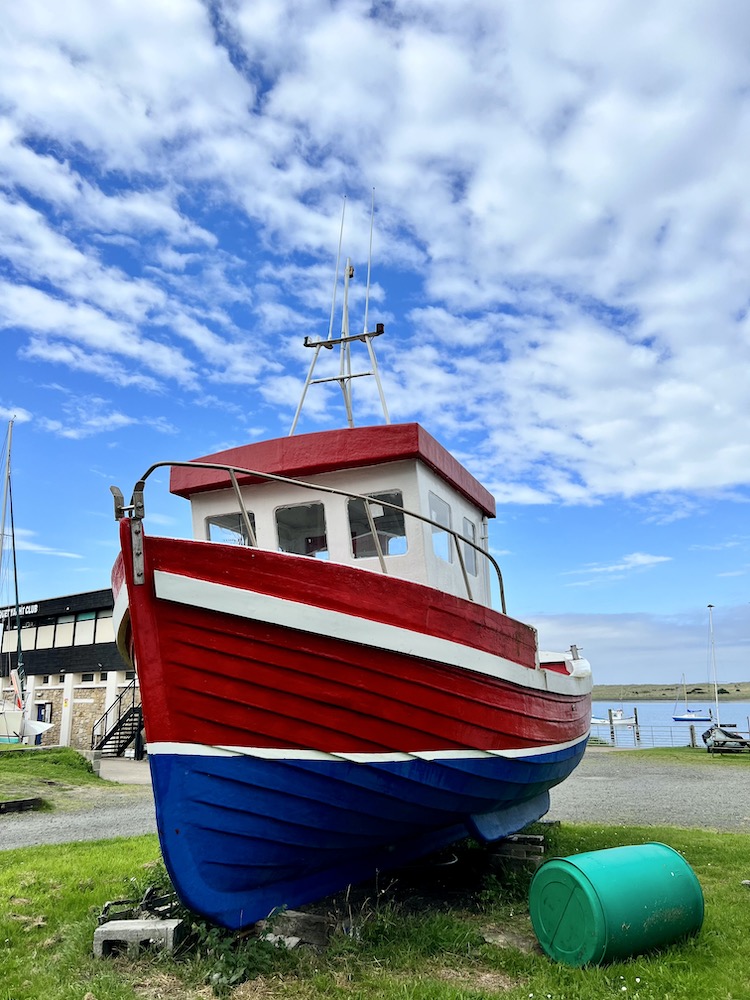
<point>118,936</point>
<point>293,927</point>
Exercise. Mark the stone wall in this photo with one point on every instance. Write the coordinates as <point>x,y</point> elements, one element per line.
<point>54,695</point>
<point>88,706</point>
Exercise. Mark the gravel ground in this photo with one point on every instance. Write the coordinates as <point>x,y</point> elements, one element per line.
<point>614,788</point>
<point>95,815</point>
<point>607,787</point>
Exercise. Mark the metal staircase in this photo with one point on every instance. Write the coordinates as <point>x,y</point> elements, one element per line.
<point>121,726</point>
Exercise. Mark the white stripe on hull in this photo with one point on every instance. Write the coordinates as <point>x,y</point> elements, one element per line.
<point>339,625</point>
<point>266,753</point>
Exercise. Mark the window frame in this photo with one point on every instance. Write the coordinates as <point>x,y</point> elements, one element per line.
<point>440,528</point>
<point>387,496</point>
<point>321,551</point>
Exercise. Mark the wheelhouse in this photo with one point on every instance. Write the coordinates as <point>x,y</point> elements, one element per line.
<point>387,498</point>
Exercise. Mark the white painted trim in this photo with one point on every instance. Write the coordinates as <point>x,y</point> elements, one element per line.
<point>120,609</point>
<point>271,753</point>
<point>66,716</point>
<point>352,628</point>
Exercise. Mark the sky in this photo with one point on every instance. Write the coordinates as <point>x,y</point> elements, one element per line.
<point>561,259</point>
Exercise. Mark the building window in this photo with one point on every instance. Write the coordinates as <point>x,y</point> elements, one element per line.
<point>104,629</point>
<point>28,633</point>
<point>470,554</point>
<point>45,679</point>
<point>64,630</point>
<point>45,632</point>
<point>442,542</point>
<point>230,529</point>
<point>389,525</point>
<point>302,530</point>
<point>10,637</point>
<point>129,675</point>
<point>84,634</point>
<point>61,679</point>
<point>87,678</point>
<point>103,675</point>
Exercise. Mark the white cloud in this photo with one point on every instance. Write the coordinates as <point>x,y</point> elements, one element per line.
<point>634,561</point>
<point>88,416</point>
<point>24,542</point>
<point>15,413</point>
<point>561,204</point>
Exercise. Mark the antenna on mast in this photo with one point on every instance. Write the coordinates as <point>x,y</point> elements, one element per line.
<point>336,272</point>
<point>369,262</point>
<point>345,375</point>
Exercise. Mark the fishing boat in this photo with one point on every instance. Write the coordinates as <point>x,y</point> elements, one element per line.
<point>15,724</point>
<point>690,714</point>
<point>327,690</point>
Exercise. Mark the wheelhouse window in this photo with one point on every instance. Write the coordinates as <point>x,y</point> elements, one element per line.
<point>442,542</point>
<point>230,529</point>
<point>302,530</point>
<point>470,554</point>
<point>389,524</point>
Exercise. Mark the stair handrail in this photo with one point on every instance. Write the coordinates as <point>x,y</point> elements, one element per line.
<point>124,703</point>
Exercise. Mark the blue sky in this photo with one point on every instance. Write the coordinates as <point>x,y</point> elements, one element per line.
<point>561,260</point>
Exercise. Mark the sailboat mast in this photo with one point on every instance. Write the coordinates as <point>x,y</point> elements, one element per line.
<point>18,675</point>
<point>6,487</point>
<point>19,649</point>
<point>713,660</point>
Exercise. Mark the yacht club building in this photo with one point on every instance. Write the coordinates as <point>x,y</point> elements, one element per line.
<point>74,672</point>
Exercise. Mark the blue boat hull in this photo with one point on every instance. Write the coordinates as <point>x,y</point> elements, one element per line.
<point>243,836</point>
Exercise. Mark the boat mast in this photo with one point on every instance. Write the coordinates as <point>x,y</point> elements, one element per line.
<point>6,486</point>
<point>713,660</point>
<point>345,375</point>
<point>6,482</point>
<point>17,675</point>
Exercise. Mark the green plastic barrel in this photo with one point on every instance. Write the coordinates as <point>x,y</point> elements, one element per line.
<point>604,905</point>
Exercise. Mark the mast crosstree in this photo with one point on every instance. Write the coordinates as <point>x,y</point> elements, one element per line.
<point>344,342</point>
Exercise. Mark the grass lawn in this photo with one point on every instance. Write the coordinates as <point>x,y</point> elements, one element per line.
<point>688,755</point>
<point>30,773</point>
<point>467,938</point>
<point>405,944</point>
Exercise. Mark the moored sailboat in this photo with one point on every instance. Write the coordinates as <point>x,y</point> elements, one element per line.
<point>690,714</point>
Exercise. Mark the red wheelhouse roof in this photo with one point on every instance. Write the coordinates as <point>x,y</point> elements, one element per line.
<point>306,455</point>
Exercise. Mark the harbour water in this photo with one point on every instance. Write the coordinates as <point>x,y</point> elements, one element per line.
<point>656,726</point>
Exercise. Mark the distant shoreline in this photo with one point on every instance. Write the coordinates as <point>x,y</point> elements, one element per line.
<point>617,693</point>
